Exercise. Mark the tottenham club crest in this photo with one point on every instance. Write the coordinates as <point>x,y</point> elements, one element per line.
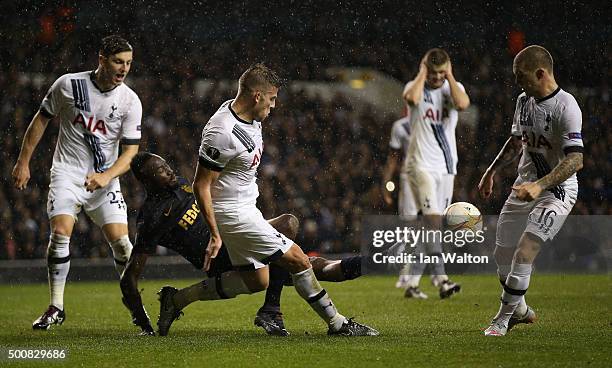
<point>113,110</point>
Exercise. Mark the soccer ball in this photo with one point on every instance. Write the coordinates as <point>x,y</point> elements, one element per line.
<point>462,216</point>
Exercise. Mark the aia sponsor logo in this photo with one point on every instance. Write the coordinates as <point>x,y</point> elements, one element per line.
<point>89,124</point>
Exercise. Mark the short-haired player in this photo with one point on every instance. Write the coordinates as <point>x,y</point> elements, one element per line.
<point>434,97</point>
<point>547,135</point>
<point>96,113</point>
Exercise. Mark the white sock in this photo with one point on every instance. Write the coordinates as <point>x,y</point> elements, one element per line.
<point>226,286</point>
<point>515,288</point>
<point>308,287</point>
<point>438,280</point>
<point>58,265</point>
<point>437,269</point>
<point>416,269</point>
<point>502,272</point>
<point>122,249</point>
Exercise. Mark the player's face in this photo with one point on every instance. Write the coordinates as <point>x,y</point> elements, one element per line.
<point>265,103</point>
<point>159,174</point>
<point>526,79</point>
<point>436,75</point>
<point>115,68</point>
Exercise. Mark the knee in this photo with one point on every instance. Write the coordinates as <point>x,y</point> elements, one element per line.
<point>299,262</point>
<point>122,247</point>
<point>59,247</point>
<point>289,225</point>
<point>61,229</point>
<point>256,284</point>
<point>294,225</point>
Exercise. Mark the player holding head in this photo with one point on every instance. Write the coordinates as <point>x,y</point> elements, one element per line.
<point>170,218</point>
<point>226,190</point>
<point>547,134</point>
<point>96,113</point>
<point>434,98</point>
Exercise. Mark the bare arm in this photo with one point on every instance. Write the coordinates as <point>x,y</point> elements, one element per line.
<point>567,167</point>
<point>121,166</point>
<point>570,165</point>
<point>414,91</point>
<point>388,172</point>
<point>204,178</point>
<point>509,152</point>
<point>35,131</point>
<point>131,297</point>
<point>391,165</point>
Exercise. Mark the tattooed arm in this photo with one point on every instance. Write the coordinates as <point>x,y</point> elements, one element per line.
<point>566,168</point>
<point>509,152</point>
<point>570,165</point>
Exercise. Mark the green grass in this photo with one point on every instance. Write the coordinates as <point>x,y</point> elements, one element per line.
<point>574,327</point>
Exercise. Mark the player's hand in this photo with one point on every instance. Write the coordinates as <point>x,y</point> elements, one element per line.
<point>485,187</point>
<point>214,244</point>
<point>449,69</point>
<point>21,175</point>
<point>423,65</point>
<point>528,191</point>
<point>96,181</point>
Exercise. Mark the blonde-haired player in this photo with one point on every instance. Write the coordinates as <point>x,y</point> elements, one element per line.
<point>547,132</point>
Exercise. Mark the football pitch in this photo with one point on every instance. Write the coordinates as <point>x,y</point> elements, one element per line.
<point>574,327</point>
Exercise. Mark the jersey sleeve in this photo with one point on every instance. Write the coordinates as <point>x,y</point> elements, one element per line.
<point>131,126</point>
<point>516,120</point>
<point>395,141</point>
<point>217,148</point>
<point>51,104</point>
<point>570,123</point>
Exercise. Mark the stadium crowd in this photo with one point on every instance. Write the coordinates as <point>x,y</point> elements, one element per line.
<point>323,159</point>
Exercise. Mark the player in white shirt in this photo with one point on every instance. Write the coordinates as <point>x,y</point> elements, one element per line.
<point>434,98</point>
<point>226,191</point>
<point>96,113</point>
<point>398,148</point>
<point>547,134</point>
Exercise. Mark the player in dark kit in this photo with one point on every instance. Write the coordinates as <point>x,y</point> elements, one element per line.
<point>170,217</point>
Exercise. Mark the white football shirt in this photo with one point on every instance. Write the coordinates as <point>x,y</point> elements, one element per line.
<point>92,123</point>
<point>550,128</point>
<point>400,137</point>
<point>433,121</point>
<point>233,147</point>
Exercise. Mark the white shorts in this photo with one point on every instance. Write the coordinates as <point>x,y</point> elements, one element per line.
<point>542,217</point>
<point>433,192</point>
<point>251,241</point>
<point>407,209</point>
<point>67,196</point>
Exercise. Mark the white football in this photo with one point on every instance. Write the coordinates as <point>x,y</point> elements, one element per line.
<point>462,216</point>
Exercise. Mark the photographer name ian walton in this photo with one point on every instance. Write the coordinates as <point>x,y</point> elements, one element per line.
<point>411,237</point>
